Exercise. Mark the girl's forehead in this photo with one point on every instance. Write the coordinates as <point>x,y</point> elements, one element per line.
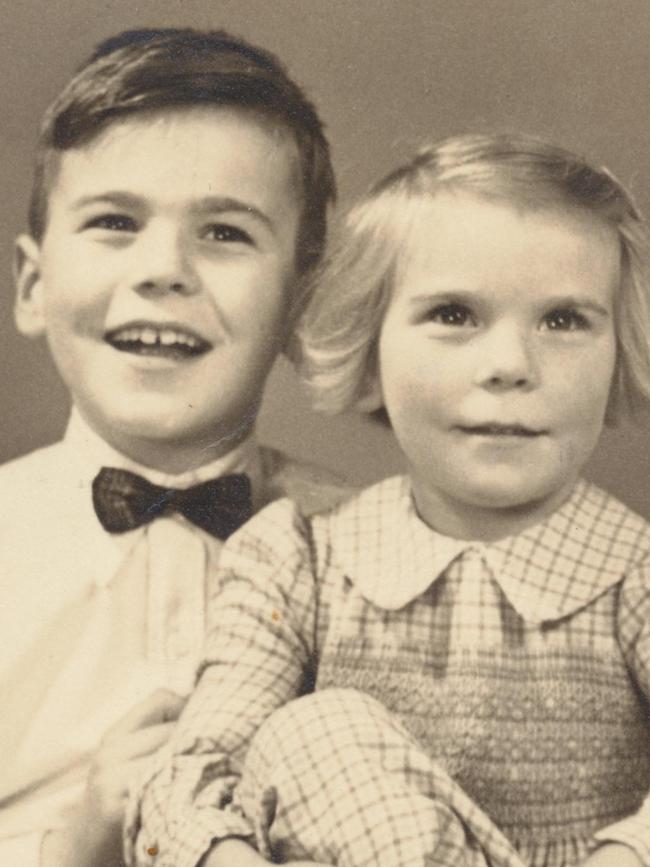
<point>431,221</point>
<point>469,241</point>
<point>458,197</point>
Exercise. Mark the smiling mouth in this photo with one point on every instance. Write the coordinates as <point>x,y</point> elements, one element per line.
<point>162,341</point>
<point>501,430</point>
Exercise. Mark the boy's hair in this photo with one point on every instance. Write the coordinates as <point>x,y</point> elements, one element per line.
<point>143,70</point>
<point>336,344</point>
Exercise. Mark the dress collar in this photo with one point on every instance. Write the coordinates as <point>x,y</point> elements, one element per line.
<point>553,569</point>
<point>546,572</point>
<point>388,552</point>
<point>93,453</point>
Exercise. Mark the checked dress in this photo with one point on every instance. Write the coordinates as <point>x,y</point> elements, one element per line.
<point>474,703</point>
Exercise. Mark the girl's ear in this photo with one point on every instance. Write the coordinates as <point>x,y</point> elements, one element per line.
<point>29,306</point>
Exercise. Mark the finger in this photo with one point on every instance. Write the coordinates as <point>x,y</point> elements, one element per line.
<point>134,744</point>
<point>160,706</point>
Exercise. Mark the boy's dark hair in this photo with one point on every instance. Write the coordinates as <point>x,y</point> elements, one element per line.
<point>140,70</point>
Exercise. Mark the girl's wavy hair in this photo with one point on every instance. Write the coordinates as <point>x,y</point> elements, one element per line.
<point>335,346</point>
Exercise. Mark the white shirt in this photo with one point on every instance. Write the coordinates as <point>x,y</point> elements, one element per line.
<point>92,623</point>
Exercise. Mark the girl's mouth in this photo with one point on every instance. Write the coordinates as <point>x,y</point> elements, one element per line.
<point>164,341</point>
<point>494,429</point>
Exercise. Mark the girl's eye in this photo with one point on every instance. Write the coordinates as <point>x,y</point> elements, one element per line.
<point>452,314</point>
<point>112,222</point>
<point>565,319</point>
<point>226,233</point>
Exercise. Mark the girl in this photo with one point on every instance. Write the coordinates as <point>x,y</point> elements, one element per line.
<point>478,631</point>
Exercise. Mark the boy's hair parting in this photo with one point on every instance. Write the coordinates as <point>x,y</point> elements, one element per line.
<point>153,69</point>
<point>336,343</point>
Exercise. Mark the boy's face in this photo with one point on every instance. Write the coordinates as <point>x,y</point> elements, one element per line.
<point>497,355</point>
<point>164,276</point>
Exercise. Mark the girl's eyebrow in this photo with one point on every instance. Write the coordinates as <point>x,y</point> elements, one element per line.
<point>462,296</point>
<point>443,295</point>
<point>576,301</point>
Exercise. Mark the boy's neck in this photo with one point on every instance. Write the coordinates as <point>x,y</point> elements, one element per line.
<point>170,460</point>
<point>165,457</point>
<point>482,524</point>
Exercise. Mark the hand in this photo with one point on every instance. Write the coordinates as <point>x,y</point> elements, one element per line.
<point>124,750</point>
<point>94,837</point>
<point>613,855</point>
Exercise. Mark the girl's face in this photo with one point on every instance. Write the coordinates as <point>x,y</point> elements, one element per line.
<point>496,358</point>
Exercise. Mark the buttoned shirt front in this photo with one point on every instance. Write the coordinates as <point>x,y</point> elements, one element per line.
<point>92,623</point>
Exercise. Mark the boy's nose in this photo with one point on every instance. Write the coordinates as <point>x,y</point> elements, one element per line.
<point>506,360</point>
<point>162,265</point>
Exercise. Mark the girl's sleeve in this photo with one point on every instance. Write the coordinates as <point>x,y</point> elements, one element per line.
<point>634,636</point>
<point>256,655</point>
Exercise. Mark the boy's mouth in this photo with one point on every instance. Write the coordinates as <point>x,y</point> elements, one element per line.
<point>164,341</point>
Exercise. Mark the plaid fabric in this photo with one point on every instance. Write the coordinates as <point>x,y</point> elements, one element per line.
<point>333,777</point>
<point>513,665</point>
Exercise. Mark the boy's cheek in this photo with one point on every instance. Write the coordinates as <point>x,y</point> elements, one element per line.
<point>65,318</point>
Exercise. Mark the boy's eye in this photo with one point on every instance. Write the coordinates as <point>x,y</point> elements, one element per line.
<point>227,233</point>
<point>112,222</point>
<point>565,319</point>
<point>453,314</point>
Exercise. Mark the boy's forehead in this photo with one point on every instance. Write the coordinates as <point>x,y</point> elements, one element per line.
<point>200,147</point>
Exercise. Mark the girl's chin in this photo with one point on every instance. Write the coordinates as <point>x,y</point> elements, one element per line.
<point>522,497</point>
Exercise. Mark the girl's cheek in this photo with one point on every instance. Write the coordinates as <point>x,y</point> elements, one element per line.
<point>568,458</point>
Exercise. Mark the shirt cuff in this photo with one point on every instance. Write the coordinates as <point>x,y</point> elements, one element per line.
<point>634,832</point>
<point>189,841</point>
<point>24,850</point>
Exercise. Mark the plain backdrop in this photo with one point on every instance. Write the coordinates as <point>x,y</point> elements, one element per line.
<point>386,76</point>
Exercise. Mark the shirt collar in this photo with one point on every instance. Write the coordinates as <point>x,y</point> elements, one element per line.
<point>93,453</point>
<point>546,572</point>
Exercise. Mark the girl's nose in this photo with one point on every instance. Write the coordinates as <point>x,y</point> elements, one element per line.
<point>162,264</point>
<point>505,360</point>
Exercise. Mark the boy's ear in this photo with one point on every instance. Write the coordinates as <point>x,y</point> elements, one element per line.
<point>28,308</point>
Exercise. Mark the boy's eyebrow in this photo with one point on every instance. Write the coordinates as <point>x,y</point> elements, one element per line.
<point>214,204</point>
<point>116,198</point>
<point>220,204</point>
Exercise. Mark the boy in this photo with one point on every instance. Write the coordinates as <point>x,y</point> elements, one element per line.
<point>180,198</point>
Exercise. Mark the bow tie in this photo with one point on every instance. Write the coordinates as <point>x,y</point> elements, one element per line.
<point>124,501</point>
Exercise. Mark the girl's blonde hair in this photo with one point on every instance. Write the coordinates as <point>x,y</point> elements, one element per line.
<point>336,342</point>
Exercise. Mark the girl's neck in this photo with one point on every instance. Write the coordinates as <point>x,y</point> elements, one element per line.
<point>461,520</point>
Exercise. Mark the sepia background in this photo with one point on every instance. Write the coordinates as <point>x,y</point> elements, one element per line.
<point>386,76</point>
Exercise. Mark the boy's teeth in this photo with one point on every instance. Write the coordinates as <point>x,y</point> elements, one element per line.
<point>150,337</point>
